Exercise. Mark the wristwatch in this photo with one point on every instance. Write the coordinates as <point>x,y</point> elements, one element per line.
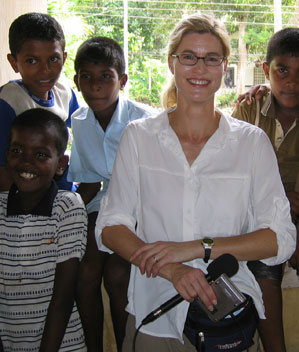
<point>207,244</point>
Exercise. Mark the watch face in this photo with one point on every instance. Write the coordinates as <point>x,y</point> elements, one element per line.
<point>208,241</point>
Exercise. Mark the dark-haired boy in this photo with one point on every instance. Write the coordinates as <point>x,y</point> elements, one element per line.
<point>37,45</point>
<point>100,75</point>
<point>277,113</point>
<point>42,240</point>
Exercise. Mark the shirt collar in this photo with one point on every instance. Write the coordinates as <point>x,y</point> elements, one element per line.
<point>228,130</point>
<point>120,114</point>
<point>268,108</point>
<point>40,101</point>
<point>44,207</point>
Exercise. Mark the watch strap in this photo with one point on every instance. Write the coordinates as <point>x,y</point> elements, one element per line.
<point>207,254</point>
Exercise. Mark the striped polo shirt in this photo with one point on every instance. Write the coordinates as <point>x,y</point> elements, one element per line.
<point>31,245</point>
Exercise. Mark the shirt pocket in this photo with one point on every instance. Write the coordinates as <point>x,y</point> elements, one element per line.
<point>223,205</point>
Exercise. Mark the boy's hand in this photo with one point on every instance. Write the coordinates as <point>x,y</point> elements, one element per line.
<point>61,305</point>
<point>255,91</point>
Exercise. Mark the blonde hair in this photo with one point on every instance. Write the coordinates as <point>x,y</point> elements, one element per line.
<point>195,23</point>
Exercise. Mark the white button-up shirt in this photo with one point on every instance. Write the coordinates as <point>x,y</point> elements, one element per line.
<point>232,188</point>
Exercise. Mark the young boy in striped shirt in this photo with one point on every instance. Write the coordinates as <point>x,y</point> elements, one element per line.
<point>42,240</point>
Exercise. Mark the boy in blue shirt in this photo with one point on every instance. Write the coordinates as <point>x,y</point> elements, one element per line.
<point>42,240</point>
<point>37,45</point>
<point>100,75</point>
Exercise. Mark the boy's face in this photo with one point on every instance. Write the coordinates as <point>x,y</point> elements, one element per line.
<point>100,86</point>
<point>39,64</point>
<point>33,160</point>
<point>283,73</point>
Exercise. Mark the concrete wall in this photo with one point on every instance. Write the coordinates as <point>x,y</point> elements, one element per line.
<point>10,9</point>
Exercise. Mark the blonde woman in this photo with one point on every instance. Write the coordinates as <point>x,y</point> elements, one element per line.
<point>186,175</point>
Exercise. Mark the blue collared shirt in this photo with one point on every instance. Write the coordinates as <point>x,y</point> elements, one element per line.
<point>93,149</point>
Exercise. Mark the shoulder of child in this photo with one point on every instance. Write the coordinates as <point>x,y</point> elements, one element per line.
<point>9,88</point>
<point>62,88</point>
<point>140,110</point>
<point>69,199</point>
<point>241,125</point>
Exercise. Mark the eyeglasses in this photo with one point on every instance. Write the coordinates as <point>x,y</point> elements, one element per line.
<point>189,59</point>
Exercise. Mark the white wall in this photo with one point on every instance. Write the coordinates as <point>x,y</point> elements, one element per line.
<point>11,9</point>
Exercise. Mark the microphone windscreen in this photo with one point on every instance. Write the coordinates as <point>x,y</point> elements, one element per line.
<point>226,263</point>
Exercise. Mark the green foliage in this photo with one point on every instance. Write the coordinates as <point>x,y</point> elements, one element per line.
<point>149,25</point>
<point>76,30</point>
<point>256,42</point>
<point>225,99</point>
<point>147,80</point>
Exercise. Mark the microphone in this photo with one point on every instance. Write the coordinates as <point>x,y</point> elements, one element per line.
<point>225,264</point>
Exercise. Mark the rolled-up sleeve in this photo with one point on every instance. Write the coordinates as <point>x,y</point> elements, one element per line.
<point>270,205</point>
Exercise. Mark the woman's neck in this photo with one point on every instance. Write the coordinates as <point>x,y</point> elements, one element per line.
<point>195,119</point>
<point>193,127</point>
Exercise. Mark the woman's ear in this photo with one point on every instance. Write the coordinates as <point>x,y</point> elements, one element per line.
<point>225,67</point>
<point>170,63</point>
<point>62,165</point>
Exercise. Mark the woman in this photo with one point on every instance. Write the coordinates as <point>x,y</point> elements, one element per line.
<point>186,175</point>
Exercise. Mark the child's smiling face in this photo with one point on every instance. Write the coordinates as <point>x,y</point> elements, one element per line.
<point>33,159</point>
<point>40,64</point>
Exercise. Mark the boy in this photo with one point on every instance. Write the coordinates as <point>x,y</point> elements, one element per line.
<point>37,46</point>
<point>42,240</point>
<point>277,114</point>
<point>100,75</point>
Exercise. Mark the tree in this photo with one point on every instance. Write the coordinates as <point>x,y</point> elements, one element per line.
<point>250,26</point>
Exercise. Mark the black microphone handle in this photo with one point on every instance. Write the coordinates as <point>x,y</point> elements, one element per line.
<point>165,307</point>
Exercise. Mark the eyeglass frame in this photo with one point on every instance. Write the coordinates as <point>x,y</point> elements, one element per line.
<point>177,56</point>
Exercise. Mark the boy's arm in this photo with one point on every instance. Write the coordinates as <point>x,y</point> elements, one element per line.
<point>257,92</point>
<point>61,305</point>
<point>88,191</point>
<point>1,345</point>
<point>5,179</point>
<point>294,202</point>
<point>242,112</point>
<point>7,115</point>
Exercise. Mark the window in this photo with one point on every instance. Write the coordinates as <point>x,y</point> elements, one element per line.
<point>258,75</point>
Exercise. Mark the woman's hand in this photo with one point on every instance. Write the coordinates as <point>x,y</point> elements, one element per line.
<point>153,256</point>
<point>190,283</point>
